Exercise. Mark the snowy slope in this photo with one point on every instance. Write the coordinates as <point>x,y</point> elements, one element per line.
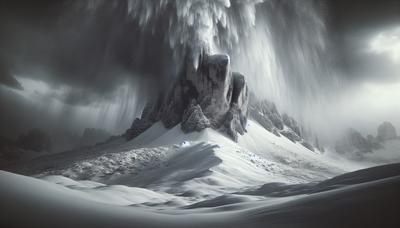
<point>357,200</point>
<point>191,168</point>
<point>261,156</point>
<point>165,178</point>
<point>261,152</point>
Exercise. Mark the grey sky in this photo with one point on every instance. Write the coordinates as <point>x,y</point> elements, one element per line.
<point>92,64</point>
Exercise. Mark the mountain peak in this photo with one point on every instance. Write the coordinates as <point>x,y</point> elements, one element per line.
<point>209,96</point>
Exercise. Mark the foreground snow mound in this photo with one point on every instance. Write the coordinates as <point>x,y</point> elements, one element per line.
<point>108,194</point>
<point>366,198</point>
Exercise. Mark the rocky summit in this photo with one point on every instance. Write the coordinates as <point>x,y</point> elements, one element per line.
<point>207,96</point>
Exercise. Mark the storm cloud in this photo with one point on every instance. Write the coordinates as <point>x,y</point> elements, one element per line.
<point>354,25</point>
<point>54,42</point>
<point>80,63</point>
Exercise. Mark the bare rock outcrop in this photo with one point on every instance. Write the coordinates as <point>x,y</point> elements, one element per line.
<point>207,96</point>
<point>193,119</point>
<point>353,142</point>
<point>355,145</point>
<point>267,115</point>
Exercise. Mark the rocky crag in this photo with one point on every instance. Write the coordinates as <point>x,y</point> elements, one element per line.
<point>268,116</point>
<point>209,96</point>
<point>355,145</point>
<point>212,96</point>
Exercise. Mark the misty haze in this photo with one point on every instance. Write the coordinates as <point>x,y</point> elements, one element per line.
<point>199,113</point>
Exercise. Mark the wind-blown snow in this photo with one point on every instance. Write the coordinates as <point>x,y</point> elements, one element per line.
<point>170,168</point>
<point>179,179</point>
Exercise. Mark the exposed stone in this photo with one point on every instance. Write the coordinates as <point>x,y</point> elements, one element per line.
<point>276,132</point>
<point>235,122</point>
<point>263,121</point>
<point>240,94</point>
<point>266,114</point>
<point>291,135</point>
<point>149,116</point>
<point>291,123</point>
<point>148,112</point>
<point>193,119</point>
<point>353,142</point>
<point>213,82</point>
<point>308,146</point>
<point>137,128</point>
<point>236,118</point>
<point>209,96</point>
<point>276,120</point>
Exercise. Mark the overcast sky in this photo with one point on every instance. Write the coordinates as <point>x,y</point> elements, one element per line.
<point>66,70</point>
<point>366,35</point>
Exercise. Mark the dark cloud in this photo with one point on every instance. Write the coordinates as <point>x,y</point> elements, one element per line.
<point>88,53</point>
<point>351,25</point>
<point>92,52</point>
<point>7,79</point>
<point>95,51</point>
<point>366,66</point>
<point>358,15</point>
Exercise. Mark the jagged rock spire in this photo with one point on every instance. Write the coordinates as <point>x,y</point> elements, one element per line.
<point>207,96</point>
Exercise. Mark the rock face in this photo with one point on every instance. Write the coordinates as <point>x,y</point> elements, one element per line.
<point>355,145</point>
<point>138,127</point>
<point>193,119</point>
<point>209,96</point>
<point>386,131</point>
<point>267,115</point>
<point>353,142</point>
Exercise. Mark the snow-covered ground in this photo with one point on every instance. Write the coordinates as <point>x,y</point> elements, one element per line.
<point>171,173</point>
<point>190,168</point>
<point>367,198</point>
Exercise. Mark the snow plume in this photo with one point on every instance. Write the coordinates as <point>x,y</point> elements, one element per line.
<point>280,46</point>
<point>285,55</point>
<point>95,47</point>
<point>183,29</point>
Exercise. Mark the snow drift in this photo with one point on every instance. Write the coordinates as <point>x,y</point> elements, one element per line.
<point>357,200</point>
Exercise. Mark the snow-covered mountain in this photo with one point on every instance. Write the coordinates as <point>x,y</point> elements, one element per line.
<point>207,85</point>
<point>380,149</point>
<point>169,178</point>
<point>204,149</point>
<point>190,168</point>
